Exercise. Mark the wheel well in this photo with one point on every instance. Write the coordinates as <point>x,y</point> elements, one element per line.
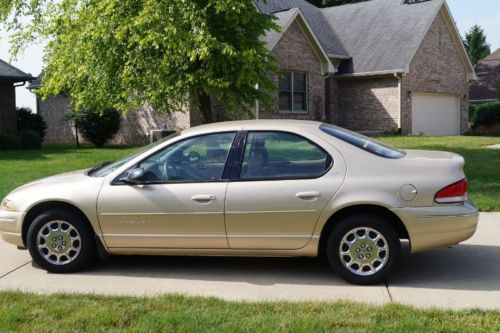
<point>38,209</point>
<point>356,209</point>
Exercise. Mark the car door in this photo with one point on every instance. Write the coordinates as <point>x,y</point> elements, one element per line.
<point>180,204</point>
<point>276,195</point>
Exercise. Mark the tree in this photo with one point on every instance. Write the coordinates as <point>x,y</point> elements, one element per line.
<point>330,3</point>
<point>476,45</point>
<point>169,54</point>
<point>97,126</point>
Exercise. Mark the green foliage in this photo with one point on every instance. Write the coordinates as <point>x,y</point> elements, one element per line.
<point>476,45</point>
<point>96,126</point>
<point>330,3</point>
<point>169,54</point>
<point>485,119</point>
<point>9,142</point>
<point>27,120</point>
<point>30,139</point>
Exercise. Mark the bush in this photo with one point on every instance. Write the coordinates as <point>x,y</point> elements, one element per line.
<point>485,118</point>
<point>30,139</point>
<point>28,121</point>
<point>9,142</point>
<point>95,126</point>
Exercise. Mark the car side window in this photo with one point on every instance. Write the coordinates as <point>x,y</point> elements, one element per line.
<point>201,158</point>
<point>279,155</point>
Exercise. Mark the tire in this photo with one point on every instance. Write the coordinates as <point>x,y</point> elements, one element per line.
<point>61,241</point>
<point>359,259</point>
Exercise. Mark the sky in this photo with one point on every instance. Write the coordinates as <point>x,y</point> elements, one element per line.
<point>466,13</point>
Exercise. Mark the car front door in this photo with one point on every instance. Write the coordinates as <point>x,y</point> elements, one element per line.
<point>278,190</point>
<point>180,204</point>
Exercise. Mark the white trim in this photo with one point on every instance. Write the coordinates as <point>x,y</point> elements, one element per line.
<point>399,78</point>
<point>482,100</point>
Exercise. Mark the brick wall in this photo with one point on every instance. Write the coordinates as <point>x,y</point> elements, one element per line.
<point>365,104</point>
<point>435,68</point>
<point>134,129</point>
<point>8,121</point>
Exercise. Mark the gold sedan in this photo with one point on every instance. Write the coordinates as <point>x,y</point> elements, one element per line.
<point>250,188</point>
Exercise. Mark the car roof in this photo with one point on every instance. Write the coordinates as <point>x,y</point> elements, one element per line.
<point>276,124</point>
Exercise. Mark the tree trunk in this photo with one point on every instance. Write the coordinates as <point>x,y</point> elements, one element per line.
<point>205,107</point>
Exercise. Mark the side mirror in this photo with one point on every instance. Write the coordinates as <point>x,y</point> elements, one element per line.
<point>135,177</point>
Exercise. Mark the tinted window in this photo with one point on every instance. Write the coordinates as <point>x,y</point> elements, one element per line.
<point>282,155</point>
<point>363,142</point>
<point>197,159</point>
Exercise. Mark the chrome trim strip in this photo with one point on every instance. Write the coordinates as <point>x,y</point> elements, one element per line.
<point>7,219</point>
<point>159,214</point>
<point>270,236</point>
<point>273,212</point>
<point>446,216</point>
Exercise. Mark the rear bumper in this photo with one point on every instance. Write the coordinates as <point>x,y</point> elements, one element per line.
<point>10,227</point>
<point>439,226</point>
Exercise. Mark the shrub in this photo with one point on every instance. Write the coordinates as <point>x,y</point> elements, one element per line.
<point>9,142</point>
<point>486,118</point>
<point>96,126</point>
<point>28,121</point>
<point>30,139</point>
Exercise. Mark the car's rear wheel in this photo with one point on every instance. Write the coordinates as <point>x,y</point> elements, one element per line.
<point>61,241</point>
<point>363,249</point>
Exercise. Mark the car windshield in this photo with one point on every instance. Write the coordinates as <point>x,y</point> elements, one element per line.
<point>104,169</point>
<point>363,142</point>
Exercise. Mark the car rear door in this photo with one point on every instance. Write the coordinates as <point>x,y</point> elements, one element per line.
<point>278,189</point>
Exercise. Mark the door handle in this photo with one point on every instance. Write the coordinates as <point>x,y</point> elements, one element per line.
<point>308,195</point>
<point>203,197</point>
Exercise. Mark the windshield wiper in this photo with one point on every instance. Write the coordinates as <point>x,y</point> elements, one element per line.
<point>97,167</point>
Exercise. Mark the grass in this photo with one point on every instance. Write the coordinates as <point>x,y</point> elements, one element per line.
<point>21,312</point>
<point>482,164</point>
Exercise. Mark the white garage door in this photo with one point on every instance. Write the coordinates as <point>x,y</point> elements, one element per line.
<point>435,114</point>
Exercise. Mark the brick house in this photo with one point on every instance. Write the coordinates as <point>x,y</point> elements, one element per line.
<point>10,78</point>
<point>374,66</point>
<point>487,87</point>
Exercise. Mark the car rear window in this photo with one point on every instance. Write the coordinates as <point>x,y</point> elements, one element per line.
<point>363,142</point>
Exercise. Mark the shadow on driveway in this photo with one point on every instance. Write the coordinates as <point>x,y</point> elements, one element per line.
<point>463,267</point>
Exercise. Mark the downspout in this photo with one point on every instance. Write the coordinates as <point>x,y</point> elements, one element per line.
<point>398,77</point>
<point>257,105</point>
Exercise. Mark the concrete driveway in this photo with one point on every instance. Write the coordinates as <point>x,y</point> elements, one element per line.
<point>464,276</point>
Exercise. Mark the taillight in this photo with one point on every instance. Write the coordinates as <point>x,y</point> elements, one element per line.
<point>453,193</point>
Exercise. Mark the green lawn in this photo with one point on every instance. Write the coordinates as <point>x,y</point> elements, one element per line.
<point>482,165</point>
<point>77,313</point>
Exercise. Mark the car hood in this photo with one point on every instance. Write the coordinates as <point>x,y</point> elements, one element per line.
<point>64,178</point>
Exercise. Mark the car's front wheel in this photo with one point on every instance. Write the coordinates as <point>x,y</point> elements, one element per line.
<point>61,241</point>
<point>363,249</point>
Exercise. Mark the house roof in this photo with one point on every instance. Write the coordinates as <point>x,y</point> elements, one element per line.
<point>36,83</point>
<point>372,37</point>
<point>12,74</point>
<point>285,20</point>
<point>329,40</point>
<point>488,85</point>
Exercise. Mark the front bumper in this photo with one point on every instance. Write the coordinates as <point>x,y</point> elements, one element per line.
<point>11,226</point>
<point>438,226</point>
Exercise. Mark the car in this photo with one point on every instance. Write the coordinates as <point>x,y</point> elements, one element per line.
<point>249,188</point>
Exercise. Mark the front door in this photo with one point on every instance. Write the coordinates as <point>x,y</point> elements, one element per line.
<point>283,184</point>
<point>181,204</point>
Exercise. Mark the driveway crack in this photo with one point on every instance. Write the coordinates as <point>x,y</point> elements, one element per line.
<point>388,291</point>
<point>15,269</point>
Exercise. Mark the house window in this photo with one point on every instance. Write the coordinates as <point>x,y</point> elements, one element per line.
<point>293,92</point>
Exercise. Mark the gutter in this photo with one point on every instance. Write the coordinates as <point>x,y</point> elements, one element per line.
<point>377,73</point>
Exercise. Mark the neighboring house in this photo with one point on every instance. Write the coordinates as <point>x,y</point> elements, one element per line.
<point>135,127</point>
<point>10,78</point>
<point>487,87</point>
<point>375,66</point>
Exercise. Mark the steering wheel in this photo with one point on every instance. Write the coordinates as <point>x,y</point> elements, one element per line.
<point>193,156</point>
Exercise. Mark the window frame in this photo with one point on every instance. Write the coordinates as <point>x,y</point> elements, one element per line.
<point>225,173</point>
<point>235,175</point>
<point>292,91</point>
